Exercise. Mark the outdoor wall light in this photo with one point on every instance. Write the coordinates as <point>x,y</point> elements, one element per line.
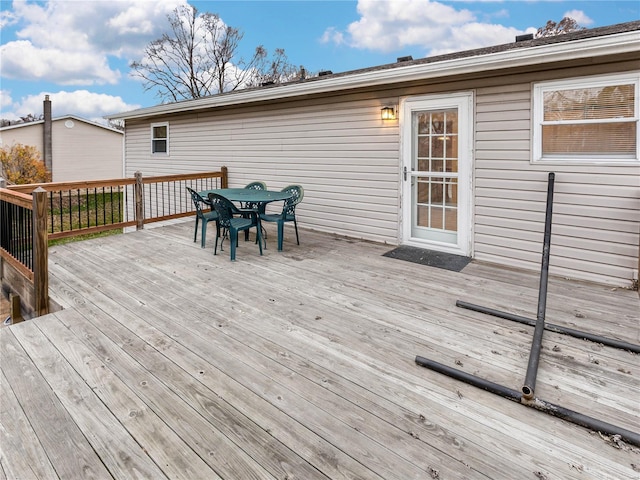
<point>388,113</point>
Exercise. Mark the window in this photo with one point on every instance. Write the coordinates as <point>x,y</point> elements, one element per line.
<point>592,120</point>
<point>160,138</point>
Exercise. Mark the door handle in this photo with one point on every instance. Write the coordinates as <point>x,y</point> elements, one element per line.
<point>405,172</point>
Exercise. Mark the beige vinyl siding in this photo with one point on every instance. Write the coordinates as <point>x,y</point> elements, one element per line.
<point>85,152</point>
<point>342,153</point>
<point>596,212</point>
<point>348,161</point>
<point>25,135</point>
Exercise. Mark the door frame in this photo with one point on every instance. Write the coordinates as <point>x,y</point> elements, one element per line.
<point>463,102</point>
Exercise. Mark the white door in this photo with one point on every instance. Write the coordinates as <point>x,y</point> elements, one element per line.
<point>437,164</point>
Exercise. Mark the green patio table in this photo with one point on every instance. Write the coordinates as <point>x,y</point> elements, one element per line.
<point>249,195</point>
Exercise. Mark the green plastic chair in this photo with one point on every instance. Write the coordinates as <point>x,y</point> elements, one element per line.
<point>253,205</point>
<point>254,186</point>
<point>231,224</point>
<point>206,217</point>
<point>288,213</point>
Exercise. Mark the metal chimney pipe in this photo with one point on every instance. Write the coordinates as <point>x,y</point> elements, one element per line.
<point>47,140</point>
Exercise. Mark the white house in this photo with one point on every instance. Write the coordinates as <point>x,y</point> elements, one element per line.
<point>80,149</point>
<point>462,164</point>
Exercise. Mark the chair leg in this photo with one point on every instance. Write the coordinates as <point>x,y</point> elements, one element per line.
<point>295,224</point>
<point>263,233</point>
<point>215,248</point>
<point>233,238</point>
<point>204,233</point>
<point>280,235</point>
<point>259,235</point>
<point>224,234</point>
<point>195,232</point>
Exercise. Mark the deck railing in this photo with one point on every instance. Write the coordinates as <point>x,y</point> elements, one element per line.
<point>77,208</point>
<point>35,213</point>
<point>23,250</point>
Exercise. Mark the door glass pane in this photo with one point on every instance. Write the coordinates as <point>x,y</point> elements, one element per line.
<point>451,193</point>
<point>437,165</point>
<point>422,121</point>
<point>423,147</point>
<point>423,191</point>
<point>435,176</point>
<point>436,218</point>
<point>451,218</point>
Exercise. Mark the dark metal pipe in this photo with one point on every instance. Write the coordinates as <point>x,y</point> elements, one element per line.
<point>541,405</point>
<point>470,379</point>
<point>611,342</point>
<point>528,389</point>
<point>584,420</point>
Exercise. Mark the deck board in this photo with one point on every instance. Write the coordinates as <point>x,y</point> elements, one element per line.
<point>170,362</point>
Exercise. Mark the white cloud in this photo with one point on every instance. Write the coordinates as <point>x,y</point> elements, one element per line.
<point>72,42</point>
<point>82,103</point>
<point>503,13</point>
<point>435,27</point>
<point>332,35</point>
<point>5,99</point>
<point>580,17</point>
<point>476,35</point>
<point>7,18</point>
<point>23,60</point>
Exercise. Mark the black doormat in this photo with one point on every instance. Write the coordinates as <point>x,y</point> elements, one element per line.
<point>448,261</point>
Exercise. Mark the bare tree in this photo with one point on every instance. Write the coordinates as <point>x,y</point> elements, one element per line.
<point>4,122</point>
<point>551,29</point>
<point>117,124</point>
<point>200,58</point>
<point>276,70</point>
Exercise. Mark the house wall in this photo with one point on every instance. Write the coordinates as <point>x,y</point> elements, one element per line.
<point>26,135</point>
<point>81,151</point>
<point>343,155</point>
<point>596,210</point>
<point>85,152</point>
<point>348,161</point>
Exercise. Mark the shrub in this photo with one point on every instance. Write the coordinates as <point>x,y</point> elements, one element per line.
<point>21,164</point>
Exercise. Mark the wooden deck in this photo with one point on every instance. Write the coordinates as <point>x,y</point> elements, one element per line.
<point>168,362</point>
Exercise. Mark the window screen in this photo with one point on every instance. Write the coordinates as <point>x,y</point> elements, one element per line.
<point>587,122</point>
<point>160,138</point>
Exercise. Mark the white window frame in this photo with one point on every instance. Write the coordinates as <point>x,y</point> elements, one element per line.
<point>575,83</point>
<point>153,139</point>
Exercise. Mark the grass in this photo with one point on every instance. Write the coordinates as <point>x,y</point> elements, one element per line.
<point>85,209</point>
<point>86,236</point>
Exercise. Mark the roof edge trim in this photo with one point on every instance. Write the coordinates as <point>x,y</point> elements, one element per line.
<point>538,55</point>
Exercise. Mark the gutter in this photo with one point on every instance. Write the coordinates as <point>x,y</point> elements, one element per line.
<point>627,42</point>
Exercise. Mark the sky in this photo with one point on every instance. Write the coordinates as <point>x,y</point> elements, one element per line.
<point>78,51</point>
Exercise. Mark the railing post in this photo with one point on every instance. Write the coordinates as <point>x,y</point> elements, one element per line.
<point>4,222</point>
<point>40,253</point>
<point>139,200</point>
<point>15,309</point>
<point>224,181</point>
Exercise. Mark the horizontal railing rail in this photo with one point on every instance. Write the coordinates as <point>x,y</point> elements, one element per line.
<point>16,230</point>
<point>23,250</point>
<point>30,215</point>
<point>166,197</point>
<point>78,208</point>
